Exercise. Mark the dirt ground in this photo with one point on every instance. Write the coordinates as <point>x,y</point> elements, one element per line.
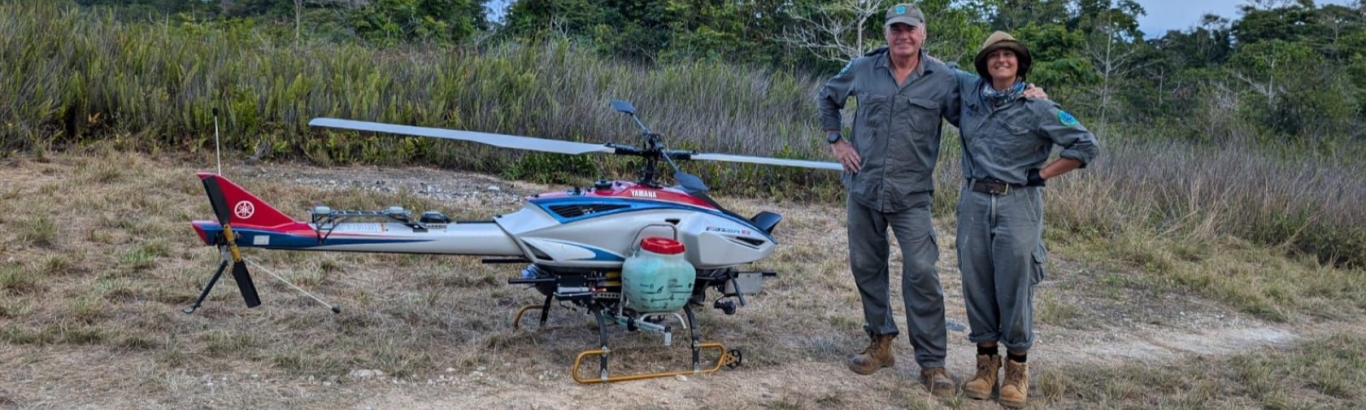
<point>1101,327</point>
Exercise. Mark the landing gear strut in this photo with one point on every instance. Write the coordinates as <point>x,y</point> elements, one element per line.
<point>545,312</point>
<point>729,358</point>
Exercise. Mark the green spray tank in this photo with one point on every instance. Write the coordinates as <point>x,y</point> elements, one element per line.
<point>657,278</point>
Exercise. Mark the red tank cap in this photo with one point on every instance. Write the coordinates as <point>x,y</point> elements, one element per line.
<point>661,245</point>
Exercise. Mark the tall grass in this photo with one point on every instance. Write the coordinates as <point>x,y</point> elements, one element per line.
<point>73,77</point>
<point>1201,192</point>
<point>1311,204</point>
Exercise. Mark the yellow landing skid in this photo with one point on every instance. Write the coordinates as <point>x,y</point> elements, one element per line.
<point>729,358</point>
<point>517,320</point>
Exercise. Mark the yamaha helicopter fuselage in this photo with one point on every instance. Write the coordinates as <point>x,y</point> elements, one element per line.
<point>601,227</point>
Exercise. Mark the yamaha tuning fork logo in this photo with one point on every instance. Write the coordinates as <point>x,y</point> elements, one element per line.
<point>244,210</point>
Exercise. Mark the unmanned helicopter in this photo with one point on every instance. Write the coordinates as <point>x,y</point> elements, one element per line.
<point>578,246</point>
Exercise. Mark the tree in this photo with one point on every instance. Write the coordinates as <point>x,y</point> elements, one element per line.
<point>1118,17</point>
<point>1012,15</point>
<point>390,21</point>
<point>706,29</point>
<point>1276,20</point>
<point>1338,26</point>
<point>1113,41</point>
<point>533,18</point>
<point>955,31</point>
<point>1299,92</point>
<point>836,31</point>
<point>1059,64</point>
<point>638,30</point>
<point>1208,45</point>
<point>1159,89</point>
<point>1175,70</point>
<point>156,7</point>
<point>298,17</point>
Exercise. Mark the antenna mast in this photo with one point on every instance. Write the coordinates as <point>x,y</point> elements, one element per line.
<point>217,149</point>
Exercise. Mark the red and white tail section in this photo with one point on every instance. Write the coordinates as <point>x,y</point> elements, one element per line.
<point>256,224</point>
<point>246,209</point>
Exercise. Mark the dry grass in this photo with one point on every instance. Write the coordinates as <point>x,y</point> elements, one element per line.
<point>1245,276</point>
<point>1320,374</point>
<point>1284,199</point>
<point>107,289</point>
<point>128,262</point>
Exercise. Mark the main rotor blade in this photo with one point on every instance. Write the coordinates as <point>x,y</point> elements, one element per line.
<point>497,140</point>
<point>833,166</point>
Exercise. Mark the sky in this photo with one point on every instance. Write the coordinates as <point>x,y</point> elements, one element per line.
<point>1163,15</point>
<point>496,8</point>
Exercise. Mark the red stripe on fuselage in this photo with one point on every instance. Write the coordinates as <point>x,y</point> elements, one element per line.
<point>630,190</point>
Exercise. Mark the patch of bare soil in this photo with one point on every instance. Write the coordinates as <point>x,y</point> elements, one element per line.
<point>807,319</point>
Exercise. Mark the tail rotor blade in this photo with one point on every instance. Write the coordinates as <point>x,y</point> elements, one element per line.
<point>239,267</point>
<point>244,283</point>
<point>217,200</point>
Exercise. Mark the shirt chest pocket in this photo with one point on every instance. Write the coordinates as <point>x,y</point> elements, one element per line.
<point>1015,121</point>
<point>923,115</point>
<point>873,110</point>
<point>1017,128</point>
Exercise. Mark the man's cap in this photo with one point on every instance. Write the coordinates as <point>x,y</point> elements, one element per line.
<point>999,40</point>
<point>906,14</point>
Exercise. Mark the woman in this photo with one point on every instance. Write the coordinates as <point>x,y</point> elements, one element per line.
<point>1006,141</point>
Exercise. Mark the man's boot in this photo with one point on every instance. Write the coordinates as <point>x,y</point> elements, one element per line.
<point>1015,388</point>
<point>938,382</point>
<point>878,355</point>
<point>988,371</point>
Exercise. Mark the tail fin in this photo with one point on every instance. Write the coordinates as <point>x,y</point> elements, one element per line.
<point>242,207</point>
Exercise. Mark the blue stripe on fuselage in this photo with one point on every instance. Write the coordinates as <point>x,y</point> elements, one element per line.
<point>632,205</point>
<point>246,238</point>
<point>601,255</point>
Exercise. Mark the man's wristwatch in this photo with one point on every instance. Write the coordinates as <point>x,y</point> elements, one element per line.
<point>833,137</point>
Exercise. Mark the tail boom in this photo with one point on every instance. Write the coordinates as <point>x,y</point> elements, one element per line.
<point>468,238</point>
<point>257,224</point>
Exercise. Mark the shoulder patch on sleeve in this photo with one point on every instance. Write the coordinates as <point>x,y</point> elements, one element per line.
<point>1066,119</point>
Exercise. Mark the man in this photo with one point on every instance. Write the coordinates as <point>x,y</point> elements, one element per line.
<point>902,93</point>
